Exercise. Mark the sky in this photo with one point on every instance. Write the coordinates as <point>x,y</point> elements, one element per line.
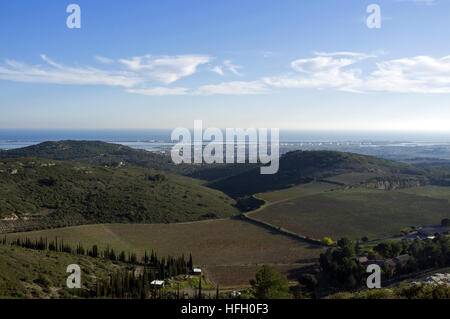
<point>304,65</point>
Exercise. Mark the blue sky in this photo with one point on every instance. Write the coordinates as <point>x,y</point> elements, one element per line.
<point>254,63</point>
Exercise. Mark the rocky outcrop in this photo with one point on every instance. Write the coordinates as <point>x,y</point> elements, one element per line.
<point>396,182</point>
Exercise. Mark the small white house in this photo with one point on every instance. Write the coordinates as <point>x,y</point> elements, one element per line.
<point>157,283</point>
<point>197,271</point>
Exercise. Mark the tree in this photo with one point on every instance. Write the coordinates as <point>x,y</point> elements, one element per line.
<point>340,266</point>
<point>445,222</point>
<point>327,241</point>
<point>270,284</point>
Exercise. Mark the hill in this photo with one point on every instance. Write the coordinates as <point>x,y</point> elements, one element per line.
<point>27,273</point>
<point>92,152</point>
<point>114,155</point>
<point>299,167</point>
<point>38,193</point>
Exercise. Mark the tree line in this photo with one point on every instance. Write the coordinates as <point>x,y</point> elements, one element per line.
<point>343,271</point>
<point>156,267</point>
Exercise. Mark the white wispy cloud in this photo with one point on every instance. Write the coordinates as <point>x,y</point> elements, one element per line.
<point>228,65</point>
<point>419,2</point>
<point>56,73</point>
<point>326,70</point>
<point>233,68</point>
<point>233,88</point>
<point>338,70</point>
<point>160,91</point>
<point>103,59</point>
<point>166,69</point>
<point>218,69</point>
<point>421,74</point>
<point>342,71</point>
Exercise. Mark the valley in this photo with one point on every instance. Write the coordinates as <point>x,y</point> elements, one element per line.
<point>95,193</point>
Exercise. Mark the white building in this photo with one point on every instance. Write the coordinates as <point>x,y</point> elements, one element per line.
<point>157,283</point>
<point>197,271</point>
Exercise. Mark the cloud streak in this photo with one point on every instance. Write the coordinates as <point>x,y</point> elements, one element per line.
<point>56,73</point>
<point>166,69</point>
<point>340,71</point>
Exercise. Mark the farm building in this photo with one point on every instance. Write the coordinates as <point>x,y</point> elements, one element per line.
<point>157,283</point>
<point>402,259</point>
<point>197,271</point>
<point>362,259</point>
<point>430,231</point>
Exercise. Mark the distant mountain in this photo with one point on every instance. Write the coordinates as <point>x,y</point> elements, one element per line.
<point>38,193</point>
<point>299,167</point>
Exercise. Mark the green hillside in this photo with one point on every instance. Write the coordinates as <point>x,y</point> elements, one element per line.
<point>37,193</point>
<point>92,152</point>
<point>300,167</point>
<point>26,273</point>
<point>114,155</point>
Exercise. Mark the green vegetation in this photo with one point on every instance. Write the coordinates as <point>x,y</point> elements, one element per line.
<point>92,152</point>
<point>116,155</point>
<point>270,284</point>
<point>125,277</point>
<point>439,192</point>
<point>26,273</point>
<point>355,213</point>
<point>340,266</point>
<point>302,190</point>
<point>38,193</point>
<point>299,167</point>
<point>327,241</point>
<point>408,292</point>
<point>343,271</point>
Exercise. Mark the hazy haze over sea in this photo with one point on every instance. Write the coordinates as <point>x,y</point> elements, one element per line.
<point>393,145</point>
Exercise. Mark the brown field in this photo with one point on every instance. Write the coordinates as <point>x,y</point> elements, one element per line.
<point>235,276</point>
<point>226,242</point>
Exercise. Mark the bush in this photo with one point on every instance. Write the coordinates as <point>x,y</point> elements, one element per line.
<point>44,281</point>
<point>327,241</point>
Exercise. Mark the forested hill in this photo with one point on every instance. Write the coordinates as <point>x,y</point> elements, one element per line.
<point>299,167</point>
<point>237,180</point>
<point>92,152</point>
<point>38,193</point>
<point>114,155</point>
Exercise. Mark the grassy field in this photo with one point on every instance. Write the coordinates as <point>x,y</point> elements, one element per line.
<point>439,192</point>
<point>225,242</point>
<point>296,191</point>
<point>354,213</point>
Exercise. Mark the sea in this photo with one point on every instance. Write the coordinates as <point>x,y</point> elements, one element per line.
<point>158,139</point>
